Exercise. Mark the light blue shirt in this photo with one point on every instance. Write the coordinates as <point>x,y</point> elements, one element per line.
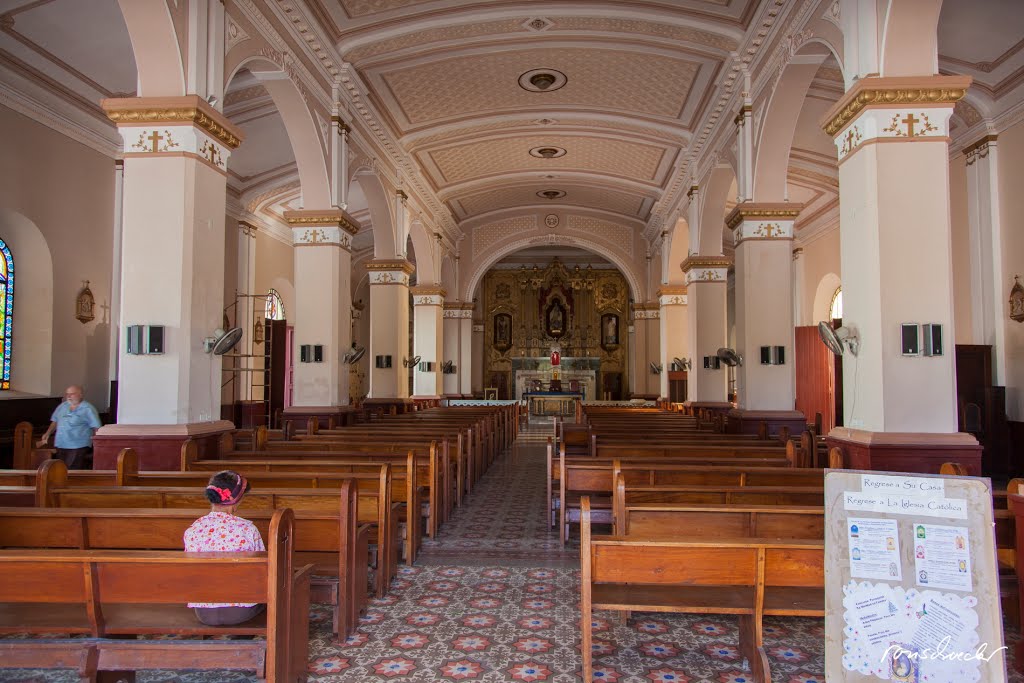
<point>74,427</point>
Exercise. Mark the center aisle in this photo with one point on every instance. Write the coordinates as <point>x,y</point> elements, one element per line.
<point>492,598</point>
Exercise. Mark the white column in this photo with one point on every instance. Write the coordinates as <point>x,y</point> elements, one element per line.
<point>988,282</point>
<point>428,340</point>
<point>389,327</point>
<point>465,362</point>
<point>323,305</point>
<point>339,162</point>
<point>763,235</point>
<point>172,273</point>
<point>673,333</point>
<point>706,278</point>
<point>115,279</point>
<point>647,348</point>
<point>245,284</point>
<point>477,376</point>
<point>798,273</point>
<point>896,261</point>
<point>458,347</point>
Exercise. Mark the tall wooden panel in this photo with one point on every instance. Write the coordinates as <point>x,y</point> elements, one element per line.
<point>815,391</point>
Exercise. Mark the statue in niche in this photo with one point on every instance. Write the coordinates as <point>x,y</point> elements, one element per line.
<point>555,319</point>
<point>609,331</point>
<point>502,331</point>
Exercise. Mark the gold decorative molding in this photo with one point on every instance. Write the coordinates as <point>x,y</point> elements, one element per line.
<point>393,264</point>
<point>878,91</point>
<point>333,218</point>
<point>342,126</point>
<point>980,143</point>
<point>671,290</point>
<point>428,290</point>
<point>693,262</point>
<point>762,211</point>
<point>134,111</point>
<point>459,306</point>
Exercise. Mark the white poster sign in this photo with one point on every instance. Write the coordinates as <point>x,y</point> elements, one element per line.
<point>942,557</point>
<point>874,549</point>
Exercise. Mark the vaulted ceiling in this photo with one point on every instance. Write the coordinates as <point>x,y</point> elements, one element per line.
<point>451,80</point>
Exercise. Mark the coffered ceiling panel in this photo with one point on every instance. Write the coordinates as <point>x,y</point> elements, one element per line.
<point>511,155</point>
<point>599,79</point>
<point>628,204</point>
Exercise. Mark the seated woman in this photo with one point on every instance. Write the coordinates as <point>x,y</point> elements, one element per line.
<point>221,531</point>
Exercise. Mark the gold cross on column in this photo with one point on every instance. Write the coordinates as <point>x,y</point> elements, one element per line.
<point>770,230</point>
<point>212,153</point>
<point>910,121</point>
<point>155,138</point>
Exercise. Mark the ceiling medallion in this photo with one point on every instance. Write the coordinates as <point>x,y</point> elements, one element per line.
<point>542,80</point>
<point>551,194</point>
<point>551,220</point>
<point>547,152</point>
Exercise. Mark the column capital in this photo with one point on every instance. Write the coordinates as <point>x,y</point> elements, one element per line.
<point>903,109</point>
<point>173,111</point>
<point>648,311</point>
<point>705,268</point>
<point>763,221</point>
<point>428,295</point>
<point>390,271</point>
<point>325,218</point>
<point>979,149</point>
<point>248,229</point>
<point>672,295</point>
<point>459,309</point>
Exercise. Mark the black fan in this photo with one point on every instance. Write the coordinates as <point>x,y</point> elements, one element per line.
<point>221,342</point>
<point>730,357</point>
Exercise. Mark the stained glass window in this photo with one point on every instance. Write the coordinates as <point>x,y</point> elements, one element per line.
<point>6,317</point>
<point>836,310</point>
<point>275,307</point>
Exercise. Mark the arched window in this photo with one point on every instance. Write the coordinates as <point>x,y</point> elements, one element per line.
<point>275,307</point>
<point>6,318</point>
<point>836,309</point>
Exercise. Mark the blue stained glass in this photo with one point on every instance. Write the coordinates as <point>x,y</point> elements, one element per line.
<point>7,315</point>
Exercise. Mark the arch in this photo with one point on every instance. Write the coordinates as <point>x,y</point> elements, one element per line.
<point>378,202</point>
<point>551,239</point>
<point>720,186</point>
<point>449,276</point>
<point>782,112</point>
<point>823,294</point>
<point>424,248</point>
<point>155,45</point>
<point>303,134</point>
<point>32,339</point>
<point>910,38</point>
<point>674,251</point>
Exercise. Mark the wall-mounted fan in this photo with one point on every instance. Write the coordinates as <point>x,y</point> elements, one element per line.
<point>655,368</point>
<point>680,364</point>
<point>834,339</point>
<point>353,356</point>
<point>409,362</point>
<point>730,357</point>
<point>448,368</point>
<point>221,342</point>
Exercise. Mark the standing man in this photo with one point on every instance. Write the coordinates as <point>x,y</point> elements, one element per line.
<point>75,421</point>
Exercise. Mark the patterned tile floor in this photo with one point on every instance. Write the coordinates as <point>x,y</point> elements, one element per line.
<point>494,599</point>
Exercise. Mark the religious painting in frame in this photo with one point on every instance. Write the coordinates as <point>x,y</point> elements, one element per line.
<point>502,338</point>
<point>610,331</point>
<point>554,319</point>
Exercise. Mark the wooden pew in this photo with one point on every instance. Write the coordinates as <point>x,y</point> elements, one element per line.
<point>747,577</point>
<point>333,543</point>
<point>373,506</point>
<point>110,596</point>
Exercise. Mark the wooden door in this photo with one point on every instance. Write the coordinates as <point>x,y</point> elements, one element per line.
<point>815,388</point>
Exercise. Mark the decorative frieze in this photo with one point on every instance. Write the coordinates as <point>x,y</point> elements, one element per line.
<point>156,113</point>
<point>428,295</point>
<point>672,295</point>
<point>321,228</point>
<point>979,150</point>
<point>894,110</point>
<point>390,272</point>
<point>762,221</point>
<point>705,269</point>
<point>648,311</point>
<point>460,310</point>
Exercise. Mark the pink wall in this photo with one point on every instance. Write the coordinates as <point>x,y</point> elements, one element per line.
<point>67,190</point>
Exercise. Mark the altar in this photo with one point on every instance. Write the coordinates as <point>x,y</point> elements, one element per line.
<point>529,373</point>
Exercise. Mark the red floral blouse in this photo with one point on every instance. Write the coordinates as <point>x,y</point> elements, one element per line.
<point>222,532</point>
